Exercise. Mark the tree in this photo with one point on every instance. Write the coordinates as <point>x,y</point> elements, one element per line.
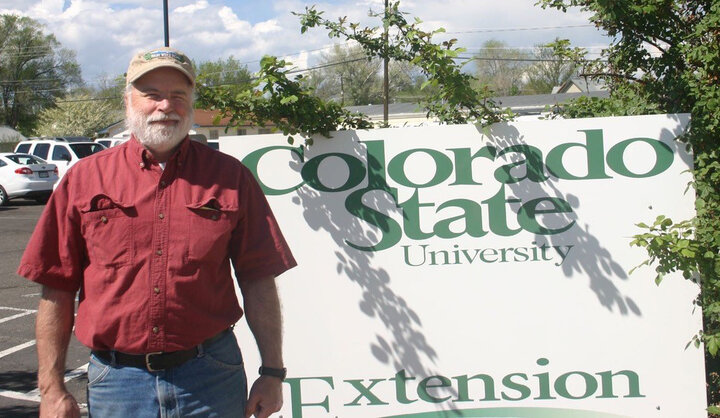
<point>500,68</point>
<point>76,115</point>
<point>229,73</point>
<point>548,71</point>
<point>664,59</point>
<point>275,98</point>
<point>292,108</point>
<point>348,76</point>
<point>34,70</point>
<point>453,98</point>
<point>111,90</point>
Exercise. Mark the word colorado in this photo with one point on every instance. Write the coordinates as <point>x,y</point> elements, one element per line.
<point>455,167</point>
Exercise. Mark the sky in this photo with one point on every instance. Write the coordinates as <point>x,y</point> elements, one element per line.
<point>106,33</point>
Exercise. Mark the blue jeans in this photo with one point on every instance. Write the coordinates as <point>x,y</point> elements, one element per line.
<point>213,384</point>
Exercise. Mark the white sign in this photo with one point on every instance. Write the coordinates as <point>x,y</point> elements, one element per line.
<point>453,272</point>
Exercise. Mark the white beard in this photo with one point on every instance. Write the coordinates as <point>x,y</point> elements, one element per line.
<point>158,137</point>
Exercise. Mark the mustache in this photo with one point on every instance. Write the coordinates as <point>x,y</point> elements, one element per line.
<point>163,117</point>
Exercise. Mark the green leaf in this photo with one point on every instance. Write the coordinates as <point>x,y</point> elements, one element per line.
<point>658,279</point>
<point>289,99</point>
<point>712,409</point>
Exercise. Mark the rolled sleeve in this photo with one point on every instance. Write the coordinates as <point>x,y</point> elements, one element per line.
<point>258,247</point>
<point>55,253</point>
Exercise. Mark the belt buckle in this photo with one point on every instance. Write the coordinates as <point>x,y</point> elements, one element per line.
<point>147,361</point>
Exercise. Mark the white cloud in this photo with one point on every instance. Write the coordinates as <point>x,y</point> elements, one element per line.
<point>192,8</point>
<point>105,33</point>
<point>267,27</point>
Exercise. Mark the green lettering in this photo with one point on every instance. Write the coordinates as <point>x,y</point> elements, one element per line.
<point>633,380</point>
<point>400,387</point>
<point>296,394</point>
<point>472,215</point>
<point>594,153</point>
<point>463,391</point>
<point>663,157</point>
<point>498,214</point>
<point>443,168</point>
<point>534,167</point>
<point>356,172</point>
<point>391,231</point>
<point>519,387</point>
<point>252,160</point>
<point>464,166</point>
<point>562,390</point>
<point>411,217</point>
<point>544,380</point>
<point>527,215</point>
<point>425,384</point>
<point>365,392</point>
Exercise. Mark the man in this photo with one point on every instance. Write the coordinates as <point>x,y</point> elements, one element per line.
<point>147,232</point>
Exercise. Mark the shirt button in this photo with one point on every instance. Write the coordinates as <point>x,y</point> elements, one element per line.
<point>155,330</point>
<point>156,290</point>
<point>104,219</point>
<point>142,165</point>
<point>161,216</point>
<point>158,252</point>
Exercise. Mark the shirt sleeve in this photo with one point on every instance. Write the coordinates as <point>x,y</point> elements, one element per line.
<point>257,247</point>
<point>55,253</point>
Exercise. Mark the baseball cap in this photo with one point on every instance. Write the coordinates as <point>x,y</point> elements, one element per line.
<point>147,61</point>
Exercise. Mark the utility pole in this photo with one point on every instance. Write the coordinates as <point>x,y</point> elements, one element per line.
<point>165,15</point>
<point>386,78</point>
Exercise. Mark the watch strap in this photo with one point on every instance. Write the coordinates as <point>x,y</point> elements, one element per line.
<point>270,371</point>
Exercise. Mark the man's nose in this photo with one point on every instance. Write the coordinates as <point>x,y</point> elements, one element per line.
<point>164,105</point>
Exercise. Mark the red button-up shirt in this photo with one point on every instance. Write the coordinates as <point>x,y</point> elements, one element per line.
<point>150,249</point>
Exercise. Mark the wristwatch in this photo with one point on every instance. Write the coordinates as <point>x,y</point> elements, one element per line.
<point>269,371</point>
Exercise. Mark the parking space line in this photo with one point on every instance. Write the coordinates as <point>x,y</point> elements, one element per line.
<point>20,396</point>
<point>20,315</point>
<point>9,308</point>
<point>72,374</point>
<point>16,348</point>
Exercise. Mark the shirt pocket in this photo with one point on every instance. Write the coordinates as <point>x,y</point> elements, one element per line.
<point>210,228</point>
<point>107,226</point>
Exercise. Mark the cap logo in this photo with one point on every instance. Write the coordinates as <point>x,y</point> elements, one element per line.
<point>165,54</point>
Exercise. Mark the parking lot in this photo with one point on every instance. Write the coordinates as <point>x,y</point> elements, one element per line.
<point>19,396</point>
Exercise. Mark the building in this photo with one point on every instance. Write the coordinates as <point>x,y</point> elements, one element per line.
<point>525,107</point>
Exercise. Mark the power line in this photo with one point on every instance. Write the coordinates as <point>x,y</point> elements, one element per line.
<point>520,29</point>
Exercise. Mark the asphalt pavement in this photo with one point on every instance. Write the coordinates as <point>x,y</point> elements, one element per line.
<point>19,396</point>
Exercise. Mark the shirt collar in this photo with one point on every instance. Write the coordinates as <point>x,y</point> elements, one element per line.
<point>144,159</point>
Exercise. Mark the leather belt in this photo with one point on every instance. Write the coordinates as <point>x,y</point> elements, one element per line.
<point>157,361</point>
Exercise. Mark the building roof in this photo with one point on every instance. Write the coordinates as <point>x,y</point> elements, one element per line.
<point>584,84</point>
<point>523,105</point>
<point>204,117</point>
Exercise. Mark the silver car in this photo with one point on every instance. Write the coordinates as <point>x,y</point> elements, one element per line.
<point>25,176</point>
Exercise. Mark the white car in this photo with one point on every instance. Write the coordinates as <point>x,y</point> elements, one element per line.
<point>25,176</point>
<point>59,151</point>
<point>112,142</point>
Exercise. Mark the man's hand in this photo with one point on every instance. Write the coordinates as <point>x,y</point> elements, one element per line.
<point>265,397</point>
<point>58,404</point>
<point>53,327</point>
